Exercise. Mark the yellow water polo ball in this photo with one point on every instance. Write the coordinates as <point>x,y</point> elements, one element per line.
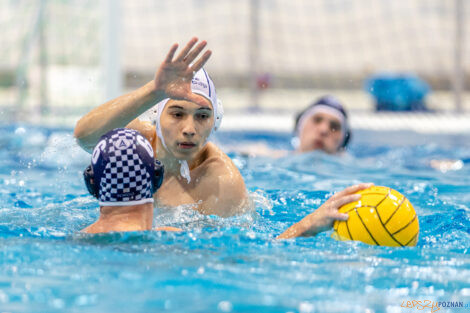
<point>382,217</point>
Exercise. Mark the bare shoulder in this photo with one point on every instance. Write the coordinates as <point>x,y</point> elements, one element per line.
<point>145,128</point>
<point>217,162</point>
<point>228,193</point>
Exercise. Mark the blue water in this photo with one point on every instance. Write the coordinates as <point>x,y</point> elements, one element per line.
<point>234,264</point>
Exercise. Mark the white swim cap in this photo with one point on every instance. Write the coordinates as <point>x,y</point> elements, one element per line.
<point>201,84</point>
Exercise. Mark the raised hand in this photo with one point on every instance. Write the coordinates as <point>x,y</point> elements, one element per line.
<point>322,219</point>
<point>174,75</point>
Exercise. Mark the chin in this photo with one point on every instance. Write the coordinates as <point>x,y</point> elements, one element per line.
<point>315,148</point>
<point>186,155</point>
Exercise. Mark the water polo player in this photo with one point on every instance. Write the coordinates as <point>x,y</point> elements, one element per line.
<point>188,112</point>
<point>123,176</point>
<point>322,126</point>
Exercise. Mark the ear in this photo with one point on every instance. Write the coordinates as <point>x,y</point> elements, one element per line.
<point>347,138</point>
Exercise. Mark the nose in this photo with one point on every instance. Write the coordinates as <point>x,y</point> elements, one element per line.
<point>323,128</point>
<point>189,130</point>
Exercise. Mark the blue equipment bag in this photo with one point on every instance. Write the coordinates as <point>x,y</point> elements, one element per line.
<point>398,92</point>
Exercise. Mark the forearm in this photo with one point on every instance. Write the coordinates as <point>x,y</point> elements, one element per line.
<point>323,218</point>
<point>305,227</point>
<point>115,113</point>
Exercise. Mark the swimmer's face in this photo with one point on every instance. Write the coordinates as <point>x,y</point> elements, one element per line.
<point>185,126</point>
<point>322,131</point>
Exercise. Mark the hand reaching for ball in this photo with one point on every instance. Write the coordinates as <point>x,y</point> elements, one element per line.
<point>322,219</point>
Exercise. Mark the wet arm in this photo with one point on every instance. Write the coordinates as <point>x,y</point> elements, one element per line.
<point>115,113</point>
<point>233,198</point>
<point>322,219</point>
<point>308,226</point>
<point>172,80</point>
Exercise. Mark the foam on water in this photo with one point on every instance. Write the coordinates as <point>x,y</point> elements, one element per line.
<point>232,264</point>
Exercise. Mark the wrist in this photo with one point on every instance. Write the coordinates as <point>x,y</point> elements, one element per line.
<point>156,92</point>
<point>309,225</point>
<point>304,228</point>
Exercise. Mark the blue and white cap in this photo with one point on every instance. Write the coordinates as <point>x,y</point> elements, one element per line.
<point>326,104</point>
<point>123,166</point>
<point>201,84</point>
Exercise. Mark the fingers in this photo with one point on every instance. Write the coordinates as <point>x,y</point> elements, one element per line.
<point>171,53</point>
<point>335,214</point>
<point>186,49</point>
<point>195,52</point>
<point>188,56</point>
<point>202,60</point>
<point>345,200</point>
<point>341,217</point>
<point>198,99</point>
<point>352,189</point>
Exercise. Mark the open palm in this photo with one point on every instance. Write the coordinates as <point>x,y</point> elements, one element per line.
<point>175,74</point>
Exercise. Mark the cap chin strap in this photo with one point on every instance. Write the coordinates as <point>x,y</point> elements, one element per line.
<point>184,170</point>
<point>295,142</point>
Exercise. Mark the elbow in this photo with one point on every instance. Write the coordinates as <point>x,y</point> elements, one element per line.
<point>80,135</point>
<point>78,132</point>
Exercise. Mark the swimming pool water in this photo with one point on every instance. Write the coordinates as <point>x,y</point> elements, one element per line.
<point>233,264</point>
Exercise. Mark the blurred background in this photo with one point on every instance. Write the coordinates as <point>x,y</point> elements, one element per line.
<point>392,63</point>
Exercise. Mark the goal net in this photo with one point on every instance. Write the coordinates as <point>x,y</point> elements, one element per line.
<point>270,54</point>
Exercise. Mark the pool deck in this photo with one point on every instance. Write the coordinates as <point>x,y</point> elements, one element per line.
<point>283,121</point>
<point>432,123</point>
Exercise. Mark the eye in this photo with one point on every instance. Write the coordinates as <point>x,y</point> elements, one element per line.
<point>317,119</point>
<point>202,116</point>
<point>177,115</point>
<point>334,126</point>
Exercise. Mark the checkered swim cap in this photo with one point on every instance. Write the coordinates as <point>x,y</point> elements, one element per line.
<point>123,167</point>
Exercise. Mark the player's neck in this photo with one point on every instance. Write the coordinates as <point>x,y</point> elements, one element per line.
<point>140,215</point>
<point>173,165</point>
